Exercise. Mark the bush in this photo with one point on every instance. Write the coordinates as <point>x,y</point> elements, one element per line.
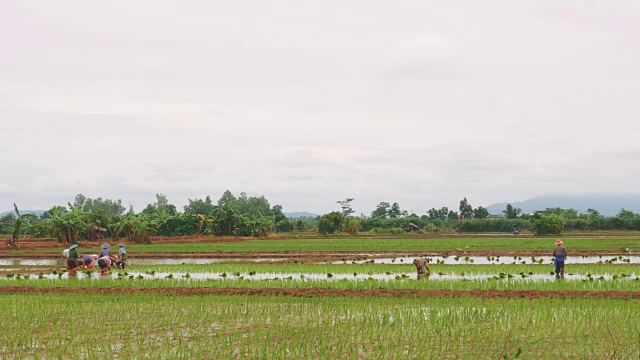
<point>547,224</point>
<point>491,225</point>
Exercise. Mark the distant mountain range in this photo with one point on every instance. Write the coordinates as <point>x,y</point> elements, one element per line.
<point>295,215</point>
<point>607,205</point>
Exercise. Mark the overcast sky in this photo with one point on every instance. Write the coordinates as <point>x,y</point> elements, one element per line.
<point>309,102</point>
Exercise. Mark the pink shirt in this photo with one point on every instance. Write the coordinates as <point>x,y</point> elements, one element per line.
<point>107,260</point>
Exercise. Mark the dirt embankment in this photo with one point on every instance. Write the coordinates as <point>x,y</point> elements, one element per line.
<point>315,292</point>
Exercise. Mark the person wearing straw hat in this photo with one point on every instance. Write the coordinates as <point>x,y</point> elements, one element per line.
<point>422,265</point>
<point>559,254</point>
<point>89,261</point>
<point>72,261</point>
<point>122,256</point>
<point>106,250</point>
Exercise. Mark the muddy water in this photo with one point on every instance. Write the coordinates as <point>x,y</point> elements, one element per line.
<point>484,260</point>
<point>316,276</point>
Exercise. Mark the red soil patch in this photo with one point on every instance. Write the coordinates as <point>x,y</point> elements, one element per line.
<point>314,292</point>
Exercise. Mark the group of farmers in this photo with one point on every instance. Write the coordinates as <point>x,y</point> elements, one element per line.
<point>105,260</point>
<point>559,255</point>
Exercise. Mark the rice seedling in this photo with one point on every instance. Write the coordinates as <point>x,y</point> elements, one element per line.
<point>321,327</point>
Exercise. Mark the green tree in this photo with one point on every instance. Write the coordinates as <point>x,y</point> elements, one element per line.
<point>20,222</point>
<point>346,206</point>
<point>593,212</point>
<point>480,213</point>
<point>49,213</point>
<point>162,203</point>
<point>79,201</point>
<point>438,214</point>
<point>199,206</point>
<point>67,226</point>
<point>381,211</point>
<point>6,223</point>
<point>542,224</point>
<point>252,205</point>
<point>226,217</point>
<point>277,214</point>
<point>284,225</point>
<point>510,212</point>
<point>89,205</point>
<point>466,210</point>
<point>394,212</point>
<point>227,198</point>
<point>330,223</point>
<point>137,228</point>
<point>351,224</point>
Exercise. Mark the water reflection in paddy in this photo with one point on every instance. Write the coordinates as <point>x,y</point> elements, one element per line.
<point>489,260</point>
<point>315,276</point>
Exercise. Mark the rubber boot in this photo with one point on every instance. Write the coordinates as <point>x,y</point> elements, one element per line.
<point>561,275</point>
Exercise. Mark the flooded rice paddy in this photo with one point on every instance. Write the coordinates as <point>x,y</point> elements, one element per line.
<point>363,259</point>
<point>96,275</point>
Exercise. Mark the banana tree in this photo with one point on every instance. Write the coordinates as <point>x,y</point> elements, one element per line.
<point>67,227</point>
<point>205,225</point>
<point>137,228</point>
<point>19,224</point>
<point>226,216</point>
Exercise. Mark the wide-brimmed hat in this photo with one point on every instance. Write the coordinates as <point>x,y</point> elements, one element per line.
<point>121,244</point>
<point>558,242</point>
<point>106,246</point>
<point>73,246</point>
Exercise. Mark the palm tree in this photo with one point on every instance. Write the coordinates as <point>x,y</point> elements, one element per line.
<point>18,225</point>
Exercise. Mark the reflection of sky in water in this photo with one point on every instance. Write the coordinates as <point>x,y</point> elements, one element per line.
<point>315,276</point>
<point>508,260</point>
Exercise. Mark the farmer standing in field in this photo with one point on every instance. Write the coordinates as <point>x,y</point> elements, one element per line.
<point>560,254</point>
<point>122,256</point>
<point>422,265</point>
<point>106,250</point>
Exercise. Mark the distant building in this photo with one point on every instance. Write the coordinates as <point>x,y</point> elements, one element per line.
<point>412,227</point>
<point>494,216</point>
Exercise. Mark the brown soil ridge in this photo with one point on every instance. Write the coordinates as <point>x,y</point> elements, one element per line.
<point>316,292</point>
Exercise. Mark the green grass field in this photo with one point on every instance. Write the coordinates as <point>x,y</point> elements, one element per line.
<point>150,326</point>
<point>387,245</point>
<point>110,317</point>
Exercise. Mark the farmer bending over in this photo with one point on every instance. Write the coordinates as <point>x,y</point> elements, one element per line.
<point>422,265</point>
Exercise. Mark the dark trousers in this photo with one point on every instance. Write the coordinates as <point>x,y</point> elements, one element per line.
<point>559,267</point>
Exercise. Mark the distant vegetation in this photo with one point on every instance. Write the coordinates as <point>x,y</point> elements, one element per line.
<point>98,218</point>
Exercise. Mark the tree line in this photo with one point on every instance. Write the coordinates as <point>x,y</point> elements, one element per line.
<point>94,219</point>
<point>244,215</point>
